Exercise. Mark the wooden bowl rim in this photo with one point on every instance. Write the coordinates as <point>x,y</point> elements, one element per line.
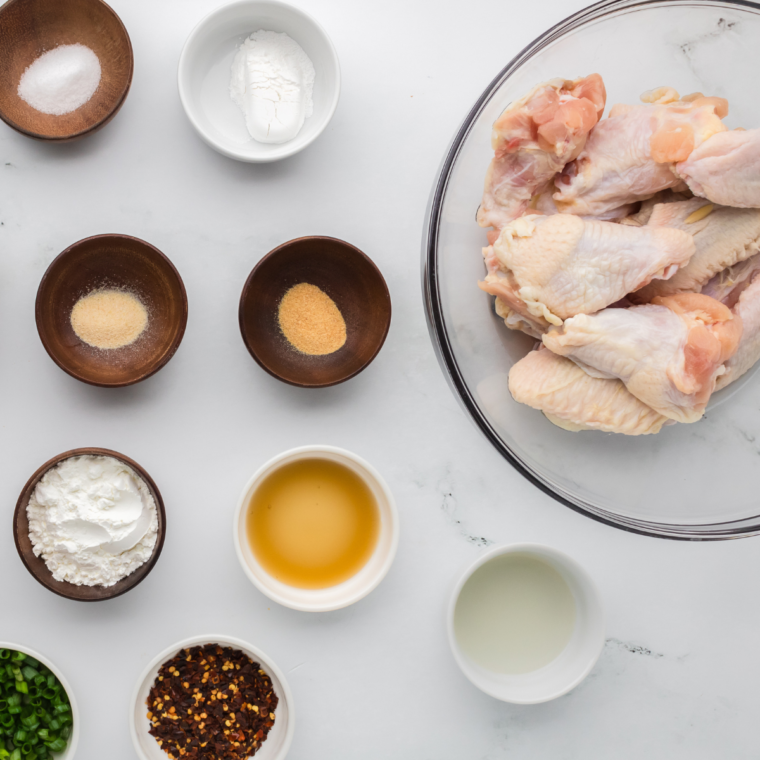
<point>272,254</point>
<point>106,117</point>
<point>180,333</point>
<point>46,579</point>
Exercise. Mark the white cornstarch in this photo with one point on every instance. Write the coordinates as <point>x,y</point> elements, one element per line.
<point>93,520</point>
<point>272,83</point>
<point>61,80</point>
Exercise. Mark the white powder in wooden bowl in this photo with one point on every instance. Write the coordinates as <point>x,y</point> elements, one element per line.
<point>61,80</point>
<point>93,520</point>
<point>109,318</point>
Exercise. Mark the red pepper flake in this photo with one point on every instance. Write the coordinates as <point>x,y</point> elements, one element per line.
<point>211,703</point>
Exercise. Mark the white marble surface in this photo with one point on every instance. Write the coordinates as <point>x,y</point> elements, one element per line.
<point>677,677</point>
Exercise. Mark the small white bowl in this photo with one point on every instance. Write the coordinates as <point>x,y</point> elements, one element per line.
<point>204,76</point>
<point>278,740</point>
<point>576,660</point>
<point>71,748</point>
<point>356,587</point>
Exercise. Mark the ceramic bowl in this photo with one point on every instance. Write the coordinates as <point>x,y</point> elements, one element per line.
<point>121,262</point>
<point>36,565</point>
<point>348,276</point>
<point>204,76</point>
<point>355,588</point>
<point>576,660</point>
<point>29,28</point>
<point>280,736</point>
<point>71,748</point>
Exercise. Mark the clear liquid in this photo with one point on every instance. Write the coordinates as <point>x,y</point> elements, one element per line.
<point>514,615</point>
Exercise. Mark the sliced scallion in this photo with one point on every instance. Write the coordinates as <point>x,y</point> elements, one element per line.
<point>35,713</point>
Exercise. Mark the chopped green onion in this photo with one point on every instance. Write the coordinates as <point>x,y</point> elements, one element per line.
<point>35,712</point>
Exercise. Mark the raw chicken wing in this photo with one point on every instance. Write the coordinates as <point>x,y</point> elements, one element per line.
<point>669,353</point>
<point>533,140</point>
<point>723,237</point>
<point>515,321</point>
<point>574,400</point>
<point>726,169</point>
<point>739,289</point>
<point>731,282</point>
<point>632,154</point>
<point>646,208</point>
<point>748,352</point>
<point>549,268</point>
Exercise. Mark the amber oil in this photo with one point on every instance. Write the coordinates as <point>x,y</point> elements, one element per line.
<point>313,523</point>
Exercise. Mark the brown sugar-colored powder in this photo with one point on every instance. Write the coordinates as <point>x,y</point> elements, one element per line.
<point>109,318</point>
<point>311,321</point>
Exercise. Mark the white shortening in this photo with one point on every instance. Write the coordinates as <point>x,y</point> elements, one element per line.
<point>272,83</point>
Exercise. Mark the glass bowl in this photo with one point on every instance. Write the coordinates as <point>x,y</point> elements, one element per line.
<point>692,481</point>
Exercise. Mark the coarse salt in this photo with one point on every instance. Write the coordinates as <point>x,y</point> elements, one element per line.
<point>61,80</point>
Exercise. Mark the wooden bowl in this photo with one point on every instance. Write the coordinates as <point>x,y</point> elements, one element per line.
<point>348,276</point>
<point>29,28</point>
<point>111,261</point>
<point>36,565</point>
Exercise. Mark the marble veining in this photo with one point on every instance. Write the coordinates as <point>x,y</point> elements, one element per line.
<point>450,508</point>
<point>633,648</point>
<point>723,26</point>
